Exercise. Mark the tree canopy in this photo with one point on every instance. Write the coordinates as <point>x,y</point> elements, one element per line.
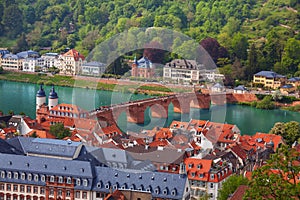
<point>278,178</point>
<point>59,131</point>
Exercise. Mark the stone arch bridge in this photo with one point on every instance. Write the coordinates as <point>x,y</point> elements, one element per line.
<point>159,106</point>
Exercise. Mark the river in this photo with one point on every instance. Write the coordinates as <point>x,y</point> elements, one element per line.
<point>20,97</point>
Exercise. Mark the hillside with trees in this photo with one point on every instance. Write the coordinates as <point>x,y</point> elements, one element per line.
<point>242,36</point>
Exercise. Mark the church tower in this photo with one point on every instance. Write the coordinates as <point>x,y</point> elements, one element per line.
<point>40,97</point>
<point>53,98</point>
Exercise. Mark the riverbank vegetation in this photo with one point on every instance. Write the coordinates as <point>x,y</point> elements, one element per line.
<point>69,81</point>
<point>242,37</point>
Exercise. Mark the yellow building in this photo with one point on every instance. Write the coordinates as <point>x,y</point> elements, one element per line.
<point>269,79</point>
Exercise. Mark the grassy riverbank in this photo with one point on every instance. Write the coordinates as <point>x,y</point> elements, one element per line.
<point>99,84</point>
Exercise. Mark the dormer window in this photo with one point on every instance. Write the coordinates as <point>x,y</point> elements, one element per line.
<point>16,175</point>
<point>60,179</point>
<point>78,181</point>
<point>2,174</point>
<point>52,179</point>
<point>165,191</point>
<point>212,176</point>
<point>43,178</point>
<point>174,192</point>
<point>23,176</point>
<point>85,182</point>
<point>199,166</point>
<point>69,180</point>
<point>190,165</point>
<point>156,190</point>
<point>8,174</point>
<point>36,178</point>
<point>201,175</point>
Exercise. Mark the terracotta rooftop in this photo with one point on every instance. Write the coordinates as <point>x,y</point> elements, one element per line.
<point>75,54</point>
<point>239,193</point>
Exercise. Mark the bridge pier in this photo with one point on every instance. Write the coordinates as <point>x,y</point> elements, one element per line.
<point>136,114</point>
<point>181,106</point>
<point>159,111</point>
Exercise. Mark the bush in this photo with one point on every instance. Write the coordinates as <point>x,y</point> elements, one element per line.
<point>266,103</point>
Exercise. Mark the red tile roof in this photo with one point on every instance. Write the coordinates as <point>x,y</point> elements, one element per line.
<point>239,193</point>
<point>198,169</point>
<point>239,151</point>
<point>74,54</point>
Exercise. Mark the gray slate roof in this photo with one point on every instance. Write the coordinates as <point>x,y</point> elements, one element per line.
<point>269,74</point>
<point>50,147</point>
<point>167,155</point>
<point>118,158</point>
<point>166,183</point>
<point>45,166</point>
<point>294,79</point>
<point>240,87</point>
<point>11,56</point>
<point>27,54</point>
<point>6,148</point>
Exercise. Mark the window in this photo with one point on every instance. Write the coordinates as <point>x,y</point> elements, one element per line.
<point>201,175</point>
<point>84,195</point>
<point>8,187</point>
<point>29,177</point>
<point>8,174</point>
<point>35,190</point>
<point>23,176</point>
<point>78,182</point>
<point>85,182</point>
<point>16,175</point>
<point>43,178</point>
<point>60,179</point>
<point>77,194</point>
<point>212,176</point>
<point>211,185</point>
<point>69,180</point>
<point>190,165</point>
<point>2,186</point>
<point>193,174</point>
<point>22,188</point>
<point>68,193</point>
<point>59,192</point>
<point>51,178</point>
<point>36,178</point>
<point>199,166</point>
<point>42,190</point>
<point>28,189</point>
<point>51,191</point>
<point>2,174</point>
<point>15,188</point>
<point>165,191</point>
<point>174,192</point>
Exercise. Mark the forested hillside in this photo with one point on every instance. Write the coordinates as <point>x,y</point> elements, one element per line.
<point>248,35</point>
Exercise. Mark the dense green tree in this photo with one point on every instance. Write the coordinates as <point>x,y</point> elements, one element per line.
<point>290,131</point>
<point>29,14</point>
<point>252,65</point>
<point>12,20</point>
<point>291,55</point>
<point>59,131</point>
<point>239,46</point>
<point>230,185</point>
<point>273,48</point>
<point>22,44</point>
<point>278,178</point>
<point>266,103</point>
